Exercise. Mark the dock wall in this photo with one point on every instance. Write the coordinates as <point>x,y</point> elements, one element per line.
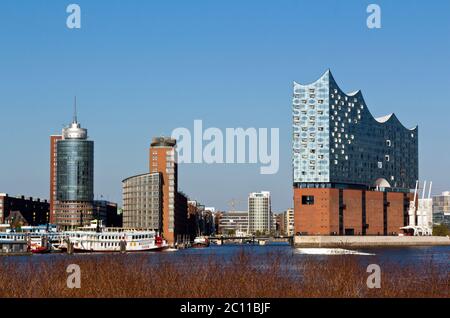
<point>369,241</point>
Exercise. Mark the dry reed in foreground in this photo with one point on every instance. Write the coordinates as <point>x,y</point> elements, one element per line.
<point>243,275</point>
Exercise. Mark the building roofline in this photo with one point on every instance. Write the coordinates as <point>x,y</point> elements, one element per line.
<point>381,120</point>
<point>140,175</point>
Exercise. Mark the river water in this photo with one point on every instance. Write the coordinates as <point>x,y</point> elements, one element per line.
<point>439,255</point>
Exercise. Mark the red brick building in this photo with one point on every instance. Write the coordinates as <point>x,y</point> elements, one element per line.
<point>53,175</point>
<point>162,159</point>
<point>330,211</point>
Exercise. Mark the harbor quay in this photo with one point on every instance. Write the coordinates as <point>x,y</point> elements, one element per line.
<point>369,241</point>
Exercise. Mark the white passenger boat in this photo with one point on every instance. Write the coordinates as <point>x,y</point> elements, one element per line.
<point>200,241</point>
<point>37,239</point>
<point>103,239</point>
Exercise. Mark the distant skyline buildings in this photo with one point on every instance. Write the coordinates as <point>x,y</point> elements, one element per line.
<point>19,211</point>
<point>441,208</point>
<point>233,223</point>
<point>129,92</point>
<point>260,217</point>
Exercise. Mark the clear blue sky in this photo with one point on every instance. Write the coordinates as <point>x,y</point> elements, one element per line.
<point>143,68</point>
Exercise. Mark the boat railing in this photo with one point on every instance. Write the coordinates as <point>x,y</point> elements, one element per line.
<point>112,229</point>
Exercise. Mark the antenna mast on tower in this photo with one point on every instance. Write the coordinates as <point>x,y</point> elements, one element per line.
<point>75,120</point>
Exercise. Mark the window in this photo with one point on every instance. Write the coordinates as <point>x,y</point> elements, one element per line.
<point>387,158</point>
<point>307,199</point>
<point>380,165</point>
<point>388,143</point>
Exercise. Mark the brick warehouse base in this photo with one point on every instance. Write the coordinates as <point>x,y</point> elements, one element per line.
<point>330,211</point>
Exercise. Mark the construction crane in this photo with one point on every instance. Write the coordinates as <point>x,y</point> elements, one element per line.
<point>232,203</point>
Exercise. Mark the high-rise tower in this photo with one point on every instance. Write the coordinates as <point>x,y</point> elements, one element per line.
<point>74,176</point>
<point>53,175</point>
<point>163,160</point>
<point>259,212</point>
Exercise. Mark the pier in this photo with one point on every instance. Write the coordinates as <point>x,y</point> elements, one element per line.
<point>370,241</point>
<point>252,239</point>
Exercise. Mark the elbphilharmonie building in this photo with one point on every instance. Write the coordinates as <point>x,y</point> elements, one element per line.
<point>358,166</point>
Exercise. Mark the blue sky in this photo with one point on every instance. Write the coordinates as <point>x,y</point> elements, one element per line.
<point>143,68</point>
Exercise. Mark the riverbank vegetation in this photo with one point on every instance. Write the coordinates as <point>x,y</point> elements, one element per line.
<point>242,275</point>
<point>441,230</point>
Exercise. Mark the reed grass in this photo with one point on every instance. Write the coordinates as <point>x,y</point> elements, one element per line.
<point>244,275</point>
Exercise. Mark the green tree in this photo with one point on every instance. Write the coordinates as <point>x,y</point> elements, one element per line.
<point>441,230</point>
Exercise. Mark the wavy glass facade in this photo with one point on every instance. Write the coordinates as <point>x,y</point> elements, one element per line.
<point>142,201</point>
<point>338,143</point>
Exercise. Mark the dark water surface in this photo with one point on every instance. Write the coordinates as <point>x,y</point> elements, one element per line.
<point>405,255</point>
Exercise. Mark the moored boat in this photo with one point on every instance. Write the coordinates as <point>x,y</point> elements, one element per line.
<point>200,241</point>
<point>102,239</point>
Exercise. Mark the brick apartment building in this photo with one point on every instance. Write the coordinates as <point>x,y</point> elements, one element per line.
<point>23,211</point>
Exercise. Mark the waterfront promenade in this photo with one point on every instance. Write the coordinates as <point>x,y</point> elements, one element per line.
<point>370,241</point>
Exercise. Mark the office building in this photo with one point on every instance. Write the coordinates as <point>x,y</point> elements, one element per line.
<point>21,211</point>
<point>162,160</point>
<point>259,213</point>
<point>233,223</point>
<point>142,201</point>
<point>152,200</point>
<point>53,173</point>
<point>200,219</point>
<point>287,222</point>
<point>73,205</point>
<point>352,173</point>
<point>441,209</point>
<point>107,212</point>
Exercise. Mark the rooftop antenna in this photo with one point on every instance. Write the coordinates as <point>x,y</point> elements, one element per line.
<point>75,110</point>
